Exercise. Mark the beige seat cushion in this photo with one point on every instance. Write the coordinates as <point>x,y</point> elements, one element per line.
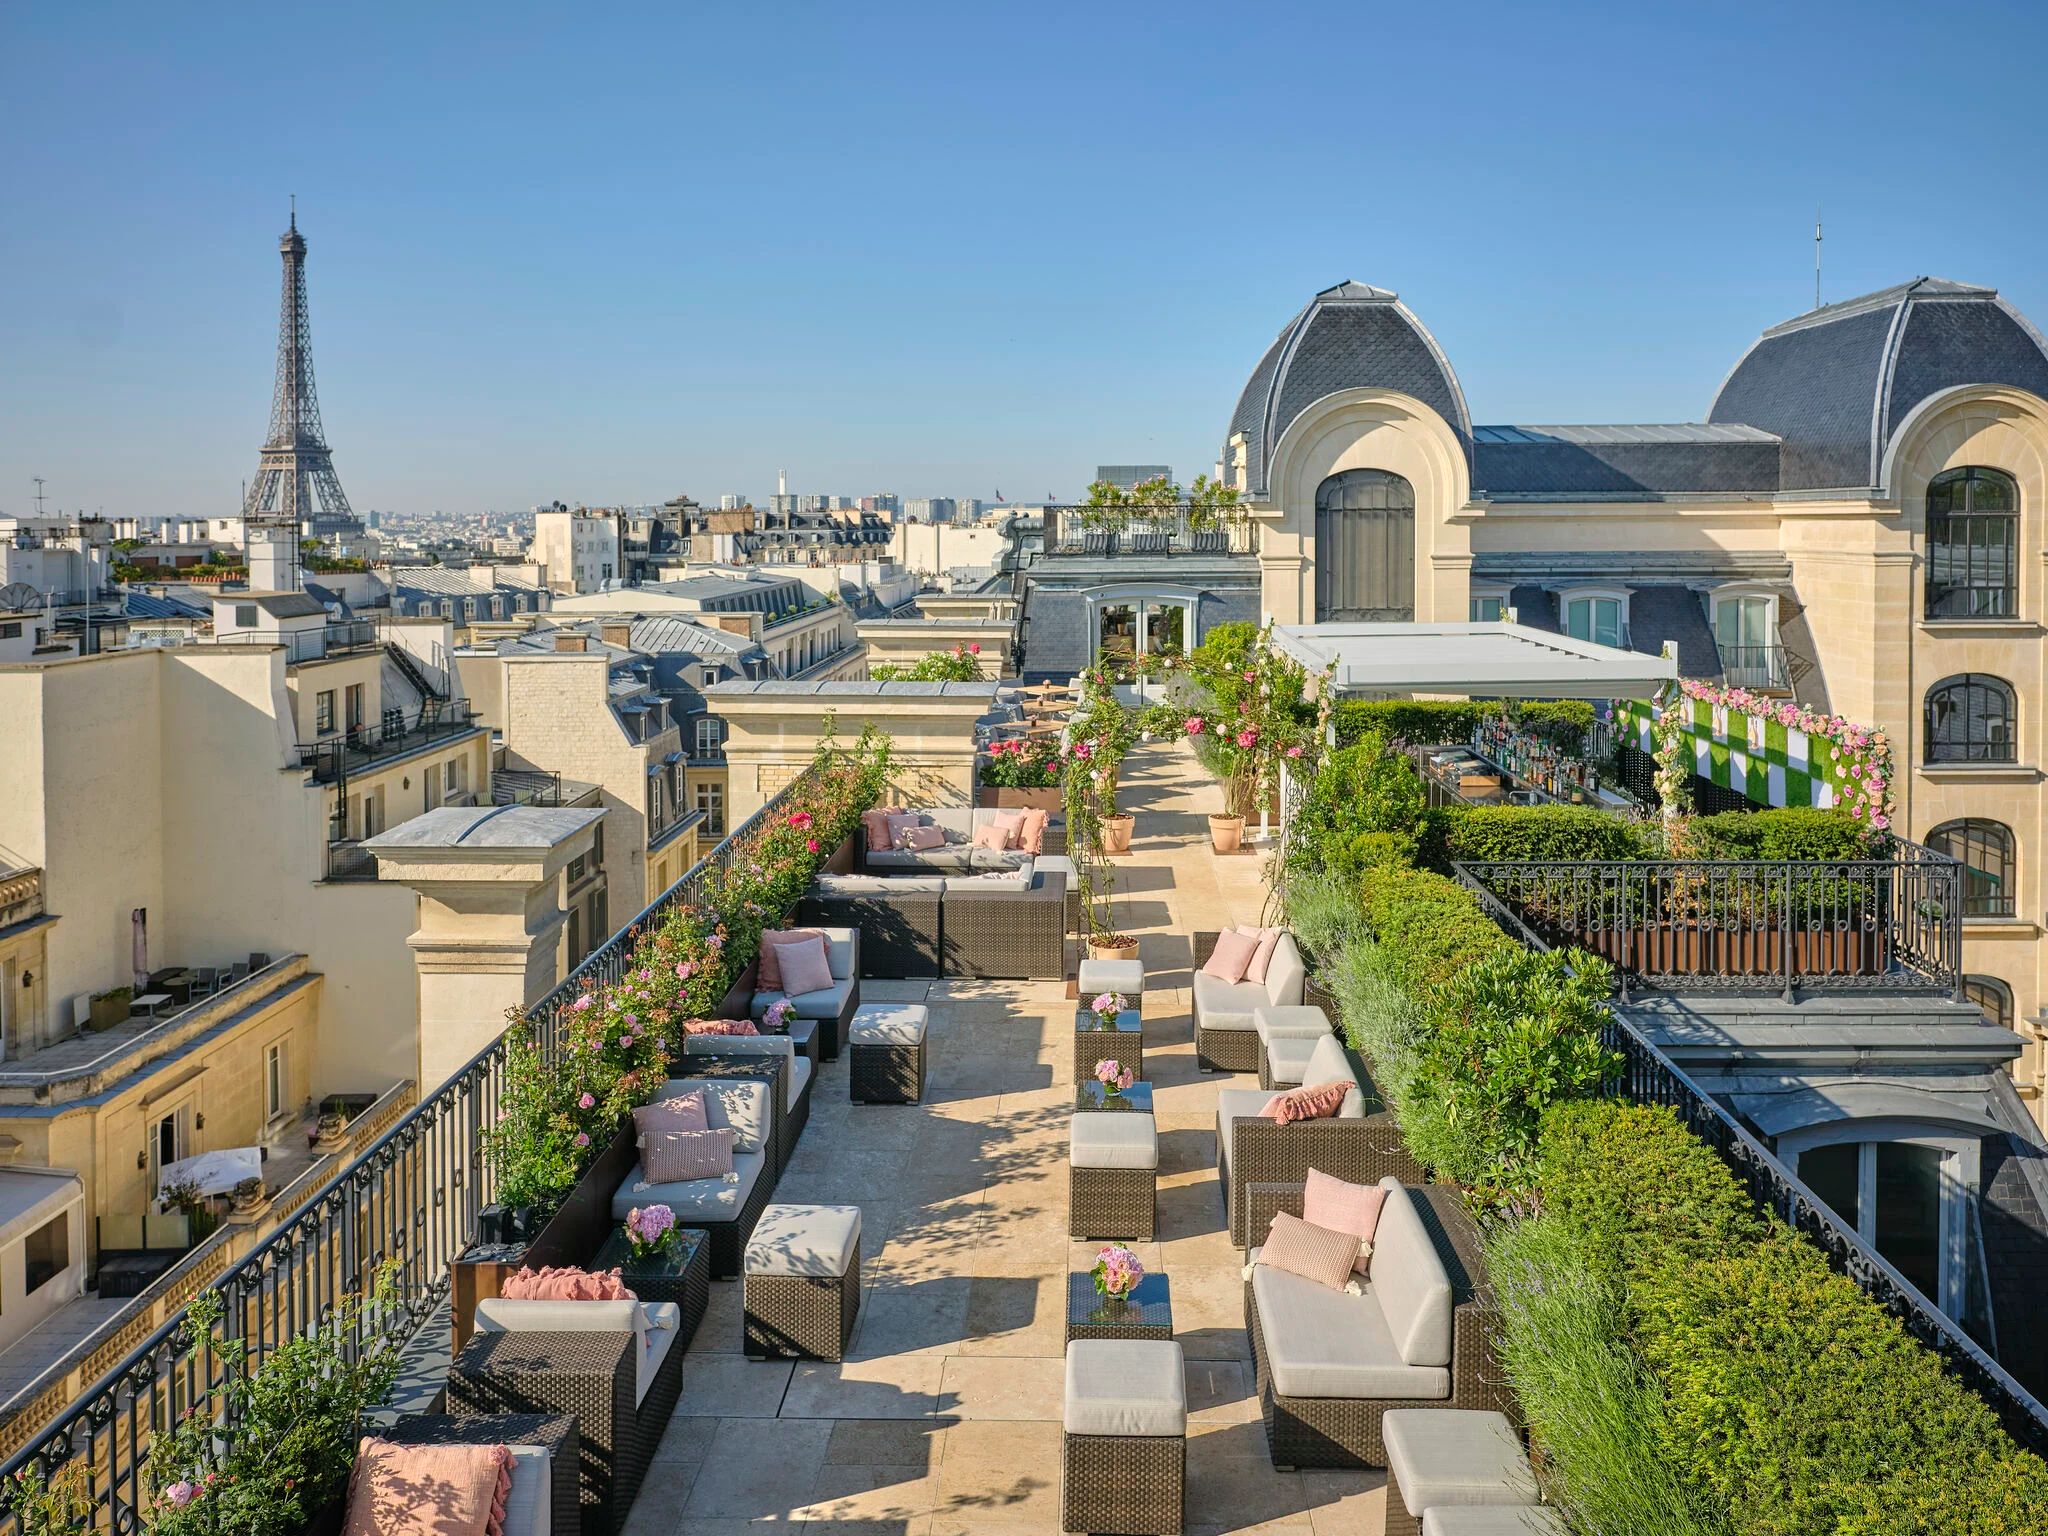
<point>889,1024</point>
<point>1126,1387</point>
<point>1455,1456</point>
<point>1288,1058</point>
<point>1221,1004</point>
<point>813,1240</point>
<point>1409,1278</point>
<point>1102,1139</point>
<point>1126,976</point>
<point>1233,1104</point>
<point>1280,1021</point>
<point>695,1201</point>
<point>1327,1343</point>
<point>1494,1520</point>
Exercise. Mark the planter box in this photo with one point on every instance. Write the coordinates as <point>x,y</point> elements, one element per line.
<point>571,1236</point>
<point>1051,799</point>
<point>1689,949</point>
<point>738,1002</point>
<point>841,862</point>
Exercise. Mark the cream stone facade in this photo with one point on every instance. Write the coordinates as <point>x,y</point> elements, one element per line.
<point>775,728</point>
<point>905,642</point>
<point>1777,547</point>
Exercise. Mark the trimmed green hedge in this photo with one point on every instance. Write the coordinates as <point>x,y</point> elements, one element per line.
<point>1477,833</point>
<point>1432,926</point>
<point>1789,1396</point>
<point>1446,722</point>
<point>1780,833</point>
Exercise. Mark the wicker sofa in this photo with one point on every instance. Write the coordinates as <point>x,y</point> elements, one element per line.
<point>1226,1039</point>
<point>616,1365</point>
<point>726,1211</point>
<point>782,1064</point>
<point>546,1461</point>
<point>831,1007</point>
<point>958,856</point>
<point>1421,1334</point>
<point>1361,1143</point>
<point>952,925</point>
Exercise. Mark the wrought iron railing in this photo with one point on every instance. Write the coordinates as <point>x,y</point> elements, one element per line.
<point>361,747</point>
<point>410,1201</point>
<point>1648,1076</point>
<point>1760,667</point>
<point>1783,925</point>
<point>1145,532</point>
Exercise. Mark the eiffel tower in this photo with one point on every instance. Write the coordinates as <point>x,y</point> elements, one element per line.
<point>295,468</point>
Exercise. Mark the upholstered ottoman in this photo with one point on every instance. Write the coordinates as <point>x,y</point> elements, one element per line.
<point>801,1286</point>
<point>1123,1446</point>
<point>1112,1175</point>
<point>887,1042</point>
<point>1443,1457</point>
<point>1125,976</point>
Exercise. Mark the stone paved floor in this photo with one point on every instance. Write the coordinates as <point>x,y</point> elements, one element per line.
<point>945,1418</point>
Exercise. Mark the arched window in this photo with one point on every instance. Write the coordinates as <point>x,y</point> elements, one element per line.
<point>1365,547</point>
<point>1985,849</point>
<point>1993,996</point>
<point>1970,720</point>
<point>1973,521</point>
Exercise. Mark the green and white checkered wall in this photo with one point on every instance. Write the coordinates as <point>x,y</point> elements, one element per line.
<point>1770,763</point>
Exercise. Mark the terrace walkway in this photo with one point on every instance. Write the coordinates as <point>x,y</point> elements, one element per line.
<point>945,1418</point>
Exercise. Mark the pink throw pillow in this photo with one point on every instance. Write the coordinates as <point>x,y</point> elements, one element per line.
<point>684,1112</point>
<point>1012,823</point>
<point>1031,836</point>
<point>991,837</point>
<point>676,1157</point>
<point>806,967</point>
<point>718,1027</point>
<point>1266,939</point>
<point>768,977</point>
<point>1312,1252</point>
<point>921,839</point>
<point>1340,1205</point>
<point>1232,954</point>
<point>565,1284</point>
<point>1317,1103</point>
<point>901,822</point>
<point>876,824</point>
<point>427,1490</point>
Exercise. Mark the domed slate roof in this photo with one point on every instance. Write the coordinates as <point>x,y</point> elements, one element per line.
<point>1836,383</point>
<point>1351,336</point>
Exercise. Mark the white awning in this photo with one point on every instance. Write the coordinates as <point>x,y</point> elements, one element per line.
<point>1478,661</point>
<point>215,1173</point>
<point>29,1197</point>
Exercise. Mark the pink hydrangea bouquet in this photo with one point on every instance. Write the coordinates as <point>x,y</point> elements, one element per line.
<point>777,1018</point>
<point>649,1229</point>
<point>1114,1076</point>
<point>1117,1272</point>
<point>1106,1006</point>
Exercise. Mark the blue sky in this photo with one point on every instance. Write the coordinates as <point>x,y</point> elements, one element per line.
<point>936,249</point>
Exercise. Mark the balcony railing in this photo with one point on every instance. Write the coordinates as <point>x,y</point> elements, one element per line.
<point>1678,924</point>
<point>1761,668</point>
<point>1142,533</point>
<point>21,895</point>
<point>410,1200</point>
<point>348,859</point>
<point>336,759</point>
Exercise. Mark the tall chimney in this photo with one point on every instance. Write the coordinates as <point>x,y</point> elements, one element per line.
<point>569,641</point>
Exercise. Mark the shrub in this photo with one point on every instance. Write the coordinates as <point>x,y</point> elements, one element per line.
<point>1784,833</point>
<point>1501,1041</point>
<point>1433,925</point>
<point>1801,1406</point>
<point>1478,833</point>
<point>1590,1405</point>
<point>1322,915</point>
<point>1565,722</point>
<point>1421,722</point>
<point>1364,807</point>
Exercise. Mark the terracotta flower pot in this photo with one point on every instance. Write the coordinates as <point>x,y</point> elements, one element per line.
<point>1116,834</point>
<point>1226,833</point>
<point>1119,946</point>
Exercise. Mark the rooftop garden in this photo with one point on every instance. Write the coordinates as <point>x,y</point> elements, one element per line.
<point>1687,1363</point>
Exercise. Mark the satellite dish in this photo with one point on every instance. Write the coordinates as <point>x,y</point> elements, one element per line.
<point>20,597</point>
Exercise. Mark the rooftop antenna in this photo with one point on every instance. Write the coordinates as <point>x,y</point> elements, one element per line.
<point>1816,256</point>
<point>39,493</point>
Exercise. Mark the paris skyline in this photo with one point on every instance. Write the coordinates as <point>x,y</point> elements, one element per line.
<point>658,254</point>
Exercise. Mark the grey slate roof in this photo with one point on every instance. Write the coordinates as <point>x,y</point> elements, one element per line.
<point>1351,336</point>
<point>1623,461</point>
<point>143,605</point>
<point>1835,384</point>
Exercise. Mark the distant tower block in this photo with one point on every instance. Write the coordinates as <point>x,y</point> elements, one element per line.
<point>295,483</point>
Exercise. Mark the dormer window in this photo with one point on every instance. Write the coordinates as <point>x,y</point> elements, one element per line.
<point>1601,617</point>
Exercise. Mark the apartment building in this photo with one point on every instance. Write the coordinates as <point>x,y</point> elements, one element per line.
<point>797,619</point>
<point>1857,523</point>
<point>584,549</point>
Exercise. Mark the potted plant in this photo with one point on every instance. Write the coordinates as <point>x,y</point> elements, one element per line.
<point>268,1451</point>
<point>330,1131</point>
<point>1257,709</point>
<point>1021,775</point>
<point>248,1196</point>
<point>111,1007</point>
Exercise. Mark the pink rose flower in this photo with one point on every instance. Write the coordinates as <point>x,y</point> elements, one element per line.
<point>1194,725</point>
<point>685,969</point>
<point>811,845</point>
<point>974,649</point>
<point>181,1493</point>
<point>582,1140</point>
<point>588,1101</point>
<point>1246,737</point>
